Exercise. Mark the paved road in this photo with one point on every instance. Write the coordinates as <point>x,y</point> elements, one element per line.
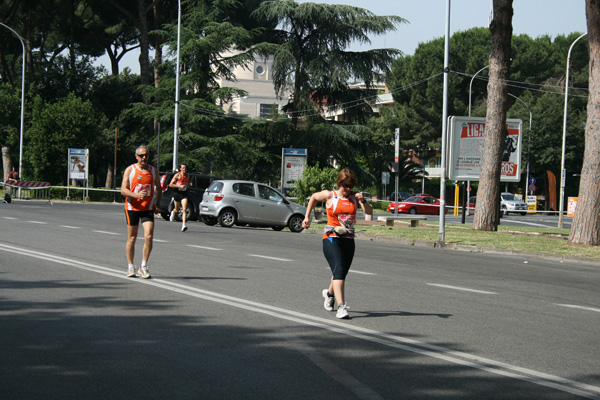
<point>237,313</point>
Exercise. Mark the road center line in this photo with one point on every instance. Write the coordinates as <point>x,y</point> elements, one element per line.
<point>579,307</point>
<point>461,288</point>
<point>389,340</point>
<point>38,222</point>
<point>70,227</point>
<point>269,258</point>
<point>107,233</point>
<point>203,247</point>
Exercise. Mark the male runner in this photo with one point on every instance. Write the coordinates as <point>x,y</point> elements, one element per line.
<point>141,188</point>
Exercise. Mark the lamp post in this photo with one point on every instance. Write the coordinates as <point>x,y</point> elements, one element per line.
<point>528,140</point>
<point>22,100</point>
<point>564,140</point>
<point>176,127</point>
<point>471,85</point>
<point>442,230</point>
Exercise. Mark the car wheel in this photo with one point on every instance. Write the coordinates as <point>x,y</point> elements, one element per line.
<point>227,218</point>
<point>504,211</point>
<point>277,227</point>
<point>412,211</point>
<point>208,220</point>
<point>295,223</point>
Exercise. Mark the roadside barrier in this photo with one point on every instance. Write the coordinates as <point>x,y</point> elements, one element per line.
<point>28,190</point>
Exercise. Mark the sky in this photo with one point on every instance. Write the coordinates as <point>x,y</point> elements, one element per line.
<point>427,21</point>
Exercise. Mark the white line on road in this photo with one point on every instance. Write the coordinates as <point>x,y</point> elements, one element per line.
<point>344,328</point>
<point>579,307</point>
<point>461,288</point>
<point>9,217</point>
<point>203,247</point>
<point>160,241</point>
<point>362,273</point>
<point>38,222</point>
<point>70,227</point>
<point>107,233</point>
<point>269,258</point>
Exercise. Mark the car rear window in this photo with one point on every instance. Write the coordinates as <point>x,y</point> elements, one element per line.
<point>216,187</point>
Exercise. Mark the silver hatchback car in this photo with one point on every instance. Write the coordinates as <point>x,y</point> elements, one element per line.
<point>234,202</point>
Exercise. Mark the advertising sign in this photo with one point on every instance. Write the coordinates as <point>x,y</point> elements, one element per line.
<point>78,164</point>
<point>466,149</point>
<point>571,206</point>
<point>292,166</point>
<point>532,204</point>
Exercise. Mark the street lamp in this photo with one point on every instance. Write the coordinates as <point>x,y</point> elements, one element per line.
<point>176,128</point>
<point>471,85</point>
<point>22,100</point>
<point>564,140</point>
<point>528,140</point>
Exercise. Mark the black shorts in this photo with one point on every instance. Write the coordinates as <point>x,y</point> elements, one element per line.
<point>134,217</point>
<point>339,254</point>
<point>178,196</point>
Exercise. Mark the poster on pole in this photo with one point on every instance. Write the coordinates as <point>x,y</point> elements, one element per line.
<point>292,166</point>
<point>78,164</point>
<point>466,149</point>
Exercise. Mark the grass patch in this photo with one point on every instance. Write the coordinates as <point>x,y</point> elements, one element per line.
<point>535,240</point>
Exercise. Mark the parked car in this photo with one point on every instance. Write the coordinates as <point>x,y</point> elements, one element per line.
<point>418,205</point>
<point>509,203</point>
<point>199,183</point>
<point>234,202</point>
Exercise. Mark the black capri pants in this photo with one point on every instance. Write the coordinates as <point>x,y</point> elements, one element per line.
<point>339,254</point>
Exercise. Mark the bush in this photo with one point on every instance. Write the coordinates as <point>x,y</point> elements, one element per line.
<point>314,179</point>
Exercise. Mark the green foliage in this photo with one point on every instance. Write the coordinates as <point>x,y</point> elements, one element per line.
<point>10,108</point>
<point>311,59</point>
<point>314,179</point>
<point>55,127</point>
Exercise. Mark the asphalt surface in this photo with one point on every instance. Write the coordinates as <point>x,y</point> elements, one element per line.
<point>237,313</point>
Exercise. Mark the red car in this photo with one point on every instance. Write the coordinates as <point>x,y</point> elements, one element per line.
<point>418,205</point>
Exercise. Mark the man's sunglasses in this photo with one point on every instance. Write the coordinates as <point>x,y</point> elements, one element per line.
<point>142,155</point>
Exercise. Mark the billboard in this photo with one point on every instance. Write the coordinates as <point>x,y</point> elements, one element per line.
<point>292,166</point>
<point>78,164</point>
<point>466,149</point>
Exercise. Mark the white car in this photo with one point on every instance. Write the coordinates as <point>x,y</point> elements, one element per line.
<point>509,203</point>
<point>235,202</point>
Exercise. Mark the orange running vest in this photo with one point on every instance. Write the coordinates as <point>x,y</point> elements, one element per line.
<point>140,179</point>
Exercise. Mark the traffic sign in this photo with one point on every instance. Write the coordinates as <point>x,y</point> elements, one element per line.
<point>532,181</point>
<point>532,187</point>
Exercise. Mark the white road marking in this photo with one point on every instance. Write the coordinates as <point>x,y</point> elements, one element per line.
<point>9,217</point>
<point>527,223</point>
<point>269,258</point>
<point>38,222</point>
<point>461,288</point>
<point>70,227</point>
<point>361,272</point>
<point>160,240</point>
<point>107,233</point>
<point>579,307</point>
<point>203,247</point>
<point>344,328</point>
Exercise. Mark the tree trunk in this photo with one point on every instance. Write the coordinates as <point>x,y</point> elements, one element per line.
<point>6,163</point>
<point>487,213</point>
<point>109,177</point>
<point>586,222</point>
<point>144,49</point>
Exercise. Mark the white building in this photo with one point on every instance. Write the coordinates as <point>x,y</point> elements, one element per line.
<point>256,78</point>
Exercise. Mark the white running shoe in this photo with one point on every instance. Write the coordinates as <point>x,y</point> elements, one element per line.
<point>342,312</point>
<point>328,304</point>
<point>131,271</point>
<point>183,228</point>
<point>143,271</point>
<point>172,217</point>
